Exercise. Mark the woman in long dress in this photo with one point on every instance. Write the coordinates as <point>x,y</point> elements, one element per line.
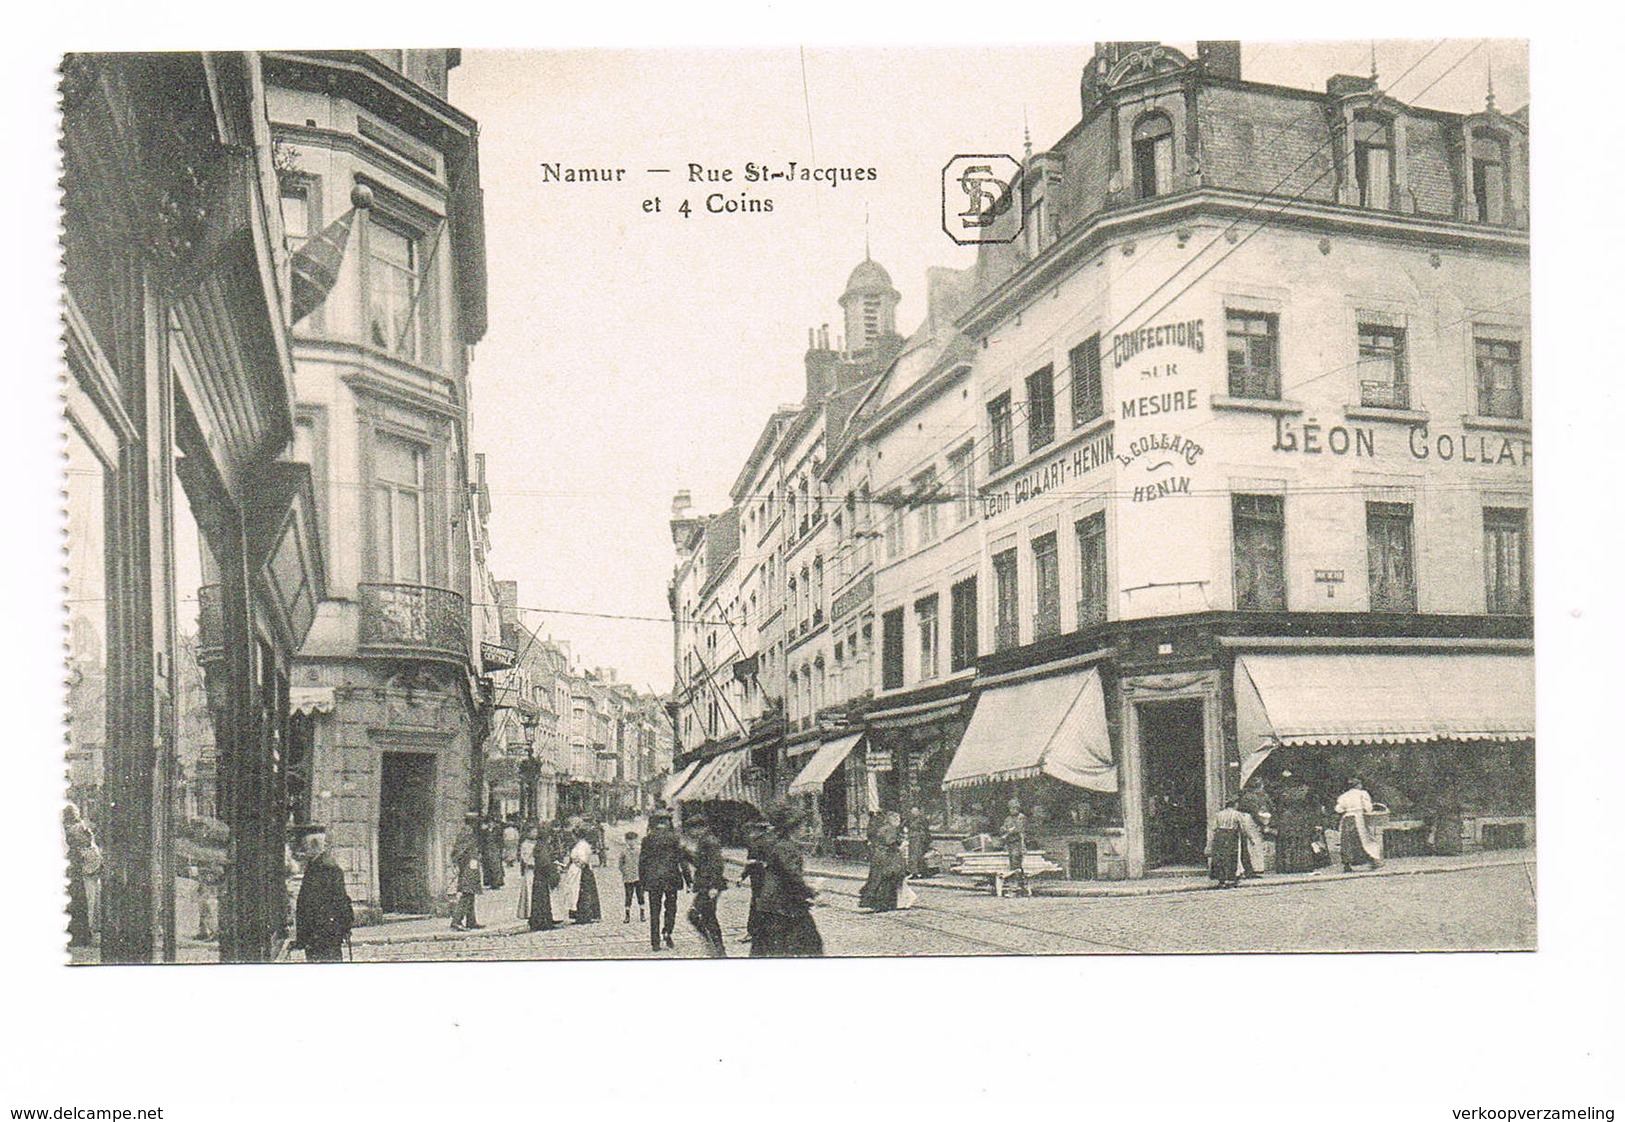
<point>1224,847</point>
<point>1357,841</point>
<point>887,866</point>
<point>1298,829</point>
<point>580,886</point>
<point>785,912</point>
<point>544,879</point>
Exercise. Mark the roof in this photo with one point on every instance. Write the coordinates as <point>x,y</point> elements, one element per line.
<point>869,278</point>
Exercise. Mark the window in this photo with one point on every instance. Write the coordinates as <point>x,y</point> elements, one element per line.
<point>891,649</point>
<point>398,514</point>
<point>1258,532</point>
<point>1374,161</point>
<point>1390,557</point>
<point>925,614</point>
<point>962,601</point>
<point>818,591</point>
<point>1007,619</point>
<point>924,487</point>
<point>1506,561</point>
<point>1046,586</point>
<point>1003,451</point>
<point>1254,365</point>
<point>1500,376</point>
<point>1092,570</point>
<point>962,469</point>
<point>295,216</point>
<point>1384,380</point>
<point>1087,400</point>
<point>393,280</point>
<point>1489,178</point>
<point>1040,408</point>
<point>1153,156</point>
<point>894,534</point>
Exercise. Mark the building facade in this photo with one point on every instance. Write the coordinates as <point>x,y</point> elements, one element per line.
<point>380,197</point>
<point>1223,471</point>
<point>180,409</point>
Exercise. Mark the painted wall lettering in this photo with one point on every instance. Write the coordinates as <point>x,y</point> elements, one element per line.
<point>1074,464</point>
<point>1314,439</point>
<point>1470,447</point>
<point>1160,451</point>
<point>1131,343</point>
<point>1153,404</point>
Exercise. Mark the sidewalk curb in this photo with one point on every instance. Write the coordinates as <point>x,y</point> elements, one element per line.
<point>1167,886</point>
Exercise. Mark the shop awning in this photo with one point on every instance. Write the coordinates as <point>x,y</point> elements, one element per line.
<point>1048,726</point>
<point>1292,700</point>
<point>830,755</point>
<point>718,778</point>
<point>675,782</point>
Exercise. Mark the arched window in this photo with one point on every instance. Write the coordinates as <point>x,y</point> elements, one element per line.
<point>1490,194</point>
<point>1153,156</point>
<point>1374,160</point>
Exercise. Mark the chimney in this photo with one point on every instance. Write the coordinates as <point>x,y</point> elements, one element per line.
<point>820,369</point>
<point>1220,58</point>
<point>508,602</point>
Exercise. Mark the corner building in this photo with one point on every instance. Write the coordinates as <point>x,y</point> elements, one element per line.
<point>390,708</point>
<point>1254,466</point>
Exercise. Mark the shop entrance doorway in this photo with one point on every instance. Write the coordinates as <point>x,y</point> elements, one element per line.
<point>405,827</point>
<point>1172,760</point>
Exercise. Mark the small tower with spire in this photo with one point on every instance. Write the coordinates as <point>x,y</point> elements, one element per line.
<point>870,304</point>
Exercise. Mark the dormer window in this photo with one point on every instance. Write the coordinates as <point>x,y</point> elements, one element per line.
<point>1374,161</point>
<point>1489,178</point>
<point>1153,156</point>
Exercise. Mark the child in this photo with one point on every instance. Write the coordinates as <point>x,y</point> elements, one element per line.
<point>631,851</point>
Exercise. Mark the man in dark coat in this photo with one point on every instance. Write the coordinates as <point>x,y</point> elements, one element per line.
<point>758,836</point>
<point>788,930</point>
<point>664,870</point>
<point>919,842</point>
<point>323,914</point>
<point>466,867</point>
<point>709,881</point>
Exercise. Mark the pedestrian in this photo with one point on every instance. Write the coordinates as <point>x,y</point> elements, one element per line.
<point>600,843</point>
<point>466,873</point>
<point>510,842</point>
<point>664,871</point>
<point>490,838</point>
<point>545,879</point>
<point>887,866</point>
<point>630,884</point>
<point>323,915</point>
<point>919,842</point>
<point>1013,832</point>
<point>526,857</point>
<point>580,887</point>
<point>1256,811</point>
<point>787,926</point>
<point>1300,835</point>
<point>84,862</point>
<point>1225,846</point>
<point>709,883</point>
<point>1359,843</point>
<point>757,836</point>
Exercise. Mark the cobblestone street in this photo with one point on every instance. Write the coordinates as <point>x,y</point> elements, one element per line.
<point>1465,909</point>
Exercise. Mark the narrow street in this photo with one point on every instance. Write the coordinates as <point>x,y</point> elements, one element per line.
<point>1490,908</point>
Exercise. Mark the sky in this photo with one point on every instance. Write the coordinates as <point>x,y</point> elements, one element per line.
<point>632,353</point>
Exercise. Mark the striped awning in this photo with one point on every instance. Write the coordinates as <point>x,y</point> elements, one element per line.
<point>830,755</point>
<point>1309,699</point>
<point>1052,726</point>
<point>718,778</point>
<point>674,783</point>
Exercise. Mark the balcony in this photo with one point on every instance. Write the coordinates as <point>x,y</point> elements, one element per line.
<point>1385,395</point>
<point>413,621</point>
<point>211,625</point>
